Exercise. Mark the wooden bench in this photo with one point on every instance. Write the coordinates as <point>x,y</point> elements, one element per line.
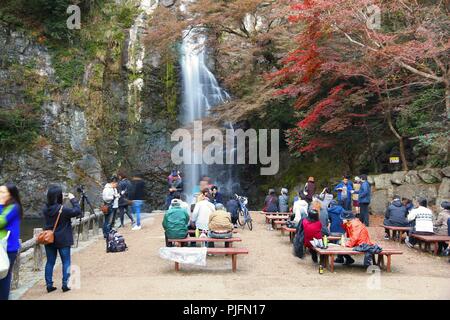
<point>430,239</point>
<point>270,218</point>
<point>396,231</point>
<point>233,252</point>
<point>327,256</point>
<point>200,240</point>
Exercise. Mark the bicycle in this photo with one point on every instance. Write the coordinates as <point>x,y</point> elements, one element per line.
<point>244,217</point>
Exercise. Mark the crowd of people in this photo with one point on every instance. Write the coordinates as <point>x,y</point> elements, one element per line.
<point>347,213</point>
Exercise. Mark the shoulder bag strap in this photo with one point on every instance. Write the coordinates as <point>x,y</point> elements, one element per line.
<point>57,219</point>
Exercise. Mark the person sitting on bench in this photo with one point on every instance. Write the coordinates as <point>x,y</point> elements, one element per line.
<point>220,226</point>
<point>441,224</point>
<point>176,221</point>
<point>357,233</point>
<point>423,218</point>
<point>334,214</point>
<point>311,228</point>
<point>395,215</point>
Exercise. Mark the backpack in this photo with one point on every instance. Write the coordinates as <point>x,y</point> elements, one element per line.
<point>115,242</point>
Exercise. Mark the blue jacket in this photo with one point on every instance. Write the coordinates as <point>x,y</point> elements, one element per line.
<point>339,193</point>
<point>334,214</point>
<point>10,221</point>
<point>364,193</point>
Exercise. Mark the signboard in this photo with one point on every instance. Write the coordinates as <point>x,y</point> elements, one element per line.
<point>394,160</point>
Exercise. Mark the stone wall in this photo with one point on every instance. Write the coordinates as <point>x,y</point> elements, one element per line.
<point>434,184</point>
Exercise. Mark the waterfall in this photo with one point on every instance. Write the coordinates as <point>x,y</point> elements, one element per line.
<point>201,92</point>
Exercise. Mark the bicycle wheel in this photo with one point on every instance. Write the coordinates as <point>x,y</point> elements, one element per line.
<point>241,218</point>
<point>250,224</point>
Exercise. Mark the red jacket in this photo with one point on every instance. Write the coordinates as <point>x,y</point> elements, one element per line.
<point>311,229</point>
<point>357,232</point>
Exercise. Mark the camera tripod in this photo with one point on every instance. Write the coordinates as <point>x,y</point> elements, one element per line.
<point>83,201</point>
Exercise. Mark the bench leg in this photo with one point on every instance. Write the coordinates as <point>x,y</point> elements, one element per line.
<point>177,266</point>
<point>388,267</point>
<point>331,260</point>
<point>234,262</point>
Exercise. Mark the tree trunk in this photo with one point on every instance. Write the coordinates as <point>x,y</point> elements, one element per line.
<point>400,140</point>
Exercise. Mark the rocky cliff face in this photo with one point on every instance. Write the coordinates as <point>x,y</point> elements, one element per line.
<point>119,115</point>
<point>433,184</point>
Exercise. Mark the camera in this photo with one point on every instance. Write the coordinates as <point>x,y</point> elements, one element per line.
<point>80,189</point>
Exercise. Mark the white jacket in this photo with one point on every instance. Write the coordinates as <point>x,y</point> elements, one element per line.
<point>300,207</point>
<point>201,214</point>
<point>111,194</point>
<point>423,217</point>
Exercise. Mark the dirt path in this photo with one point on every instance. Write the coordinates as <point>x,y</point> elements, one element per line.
<point>270,271</point>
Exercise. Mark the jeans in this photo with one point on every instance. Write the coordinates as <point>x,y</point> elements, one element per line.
<point>346,204</point>
<point>212,234</point>
<point>125,210</point>
<point>114,216</point>
<point>64,254</point>
<point>107,222</point>
<point>364,213</point>
<point>5,284</point>
<point>137,205</point>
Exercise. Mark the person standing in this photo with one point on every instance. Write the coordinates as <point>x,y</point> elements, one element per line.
<point>364,193</point>
<point>137,198</point>
<point>344,189</point>
<point>216,196</point>
<point>283,200</point>
<point>59,217</point>
<point>309,189</point>
<point>11,215</point>
<point>355,197</point>
<point>271,202</point>
<point>110,197</point>
<point>233,209</point>
<point>124,189</point>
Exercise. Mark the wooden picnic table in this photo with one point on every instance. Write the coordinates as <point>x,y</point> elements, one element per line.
<point>327,256</point>
<point>428,239</point>
<point>396,231</point>
<point>271,217</point>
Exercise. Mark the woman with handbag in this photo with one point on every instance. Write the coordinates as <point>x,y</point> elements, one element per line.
<point>58,219</point>
<point>10,217</point>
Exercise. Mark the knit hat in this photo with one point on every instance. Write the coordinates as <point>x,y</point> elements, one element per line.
<point>284,190</point>
<point>445,205</point>
<point>347,215</point>
<point>175,202</point>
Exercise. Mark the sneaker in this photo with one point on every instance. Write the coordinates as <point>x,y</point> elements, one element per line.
<point>51,289</point>
<point>65,288</point>
<point>386,237</point>
<point>136,228</point>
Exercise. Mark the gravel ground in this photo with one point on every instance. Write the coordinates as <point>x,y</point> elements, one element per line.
<point>270,271</point>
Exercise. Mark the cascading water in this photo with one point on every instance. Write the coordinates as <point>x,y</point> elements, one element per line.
<point>201,92</point>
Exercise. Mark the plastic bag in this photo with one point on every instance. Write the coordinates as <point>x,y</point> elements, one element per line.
<point>195,256</point>
<point>4,260</point>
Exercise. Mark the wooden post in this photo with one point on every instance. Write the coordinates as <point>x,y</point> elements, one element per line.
<point>177,266</point>
<point>85,229</point>
<point>95,225</point>
<point>234,262</point>
<point>16,269</point>
<point>38,252</point>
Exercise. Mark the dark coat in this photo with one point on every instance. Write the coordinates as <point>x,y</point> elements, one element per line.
<point>271,204</point>
<point>138,189</point>
<point>124,185</point>
<point>396,215</point>
<point>63,233</point>
<point>334,214</point>
<point>310,188</point>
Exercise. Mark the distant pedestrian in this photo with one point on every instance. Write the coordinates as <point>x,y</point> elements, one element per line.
<point>110,197</point>
<point>124,189</point>
<point>137,198</point>
<point>283,200</point>
<point>344,189</point>
<point>271,202</point>
<point>364,195</point>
